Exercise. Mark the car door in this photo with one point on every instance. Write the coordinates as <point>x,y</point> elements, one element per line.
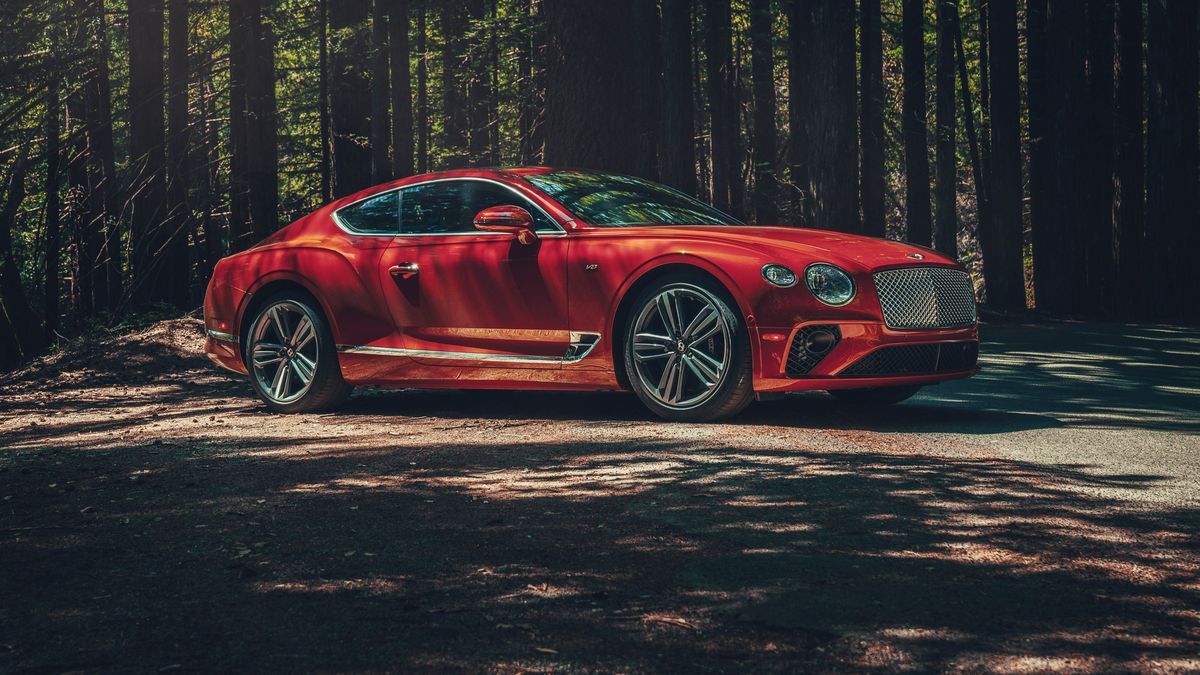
<point>460,296</point>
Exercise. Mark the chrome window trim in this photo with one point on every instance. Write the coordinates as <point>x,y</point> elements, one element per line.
<point>351,231</point>
<point>581,345</point>
<point>223,337</point>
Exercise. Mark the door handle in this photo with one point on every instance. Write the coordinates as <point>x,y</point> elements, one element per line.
<point>404,270</point>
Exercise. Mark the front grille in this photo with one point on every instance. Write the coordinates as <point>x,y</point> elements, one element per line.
<point>926,359</point>
<point>809,347</point>
<point>926,297</point>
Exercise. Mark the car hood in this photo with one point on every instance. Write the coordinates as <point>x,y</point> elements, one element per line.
<point>802,246</point>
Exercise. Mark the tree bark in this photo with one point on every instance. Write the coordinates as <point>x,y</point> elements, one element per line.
<point>945,149</point>
<point>1129,183</point>
<point>1035,67</point>
<point>422,93</point>
<point>19,326</point>
<point>106,197</point>
<point>402,112</point>
<point>454,108</point>
<point>381,128</point>
<point>718,42</point>
<point>1066,138</point>
<point>1172,209</point>
<point>1003,261</point>
<point>479,88</point>
<point>254,179</point>
<point>872,110</point>
<point>762,57</point>
<point>174,257</point>
<point>916,141</point>
<point>589,52</point>
<point>350,96</point>
<point>648,31</point>
<point>148,234</point>
<point>822,116</point>
<point>50,289</point>
<point>678,126</point>
<point>1096,287</point>
<point>323,99</point>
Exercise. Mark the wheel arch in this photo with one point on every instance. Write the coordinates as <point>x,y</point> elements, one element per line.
<point>268,287</point>
<point>649,276</point>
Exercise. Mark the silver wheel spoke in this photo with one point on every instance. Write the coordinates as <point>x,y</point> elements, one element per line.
<point>651,341</point>
<point>680,369</point>
<point>668,377</point>
<point>279,384</point>
<point>303,335</point>
<point>282,372</point>
<point>680,376</point>
<point>652,357</point>
<point>703,319</point>
<point>706,374</point>
<point>277,321</point>
<point>704,357</point>
<point>266,357</point>
<point>304,368</point>
<point>713,330</point>
<point>667,310</point>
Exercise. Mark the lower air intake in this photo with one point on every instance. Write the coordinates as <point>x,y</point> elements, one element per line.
<point>924,359</point>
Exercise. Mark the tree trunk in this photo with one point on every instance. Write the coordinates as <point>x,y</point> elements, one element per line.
<point>916,141</point>
<point>50,289</point>
<point>454,108</point>
<point>678,135</point>
<point>1172,156</point>
<point>1003,261</point>
<point>589,53</point>
<point>422,93</point>
<point>985,90</point>
<point>323,98</point>
<point>1066,154</point>
<point>479,89</point>
<point>1129,183</point>
<point>1035,68</point>
<point>822,116</point>
<point>1095,287</point>
<point>19,326</point>
<point>723,128</point>
<point>149,229</point>
<point>381,127</point>
<point>402,113</point>
<point>872,110</point>
<point>107,200</point>
<point>350,95</point>
<point>945,149</point>
<point>174,257</point>
<point>762,56</point>
<point>254,179</point>
<point>648,31</point>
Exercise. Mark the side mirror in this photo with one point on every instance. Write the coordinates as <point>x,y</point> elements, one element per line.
<point>511,219</point>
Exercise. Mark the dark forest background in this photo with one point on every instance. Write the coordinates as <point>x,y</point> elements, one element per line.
<point>1051,145</point>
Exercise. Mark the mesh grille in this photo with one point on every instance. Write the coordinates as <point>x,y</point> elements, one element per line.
<point>804,355</point>
<point>926,297</point>
<point>926,359</point>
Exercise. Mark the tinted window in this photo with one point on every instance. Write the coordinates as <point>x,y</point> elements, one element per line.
<point>377,215</point>
<point>450,206</point>
<point>624,201</point>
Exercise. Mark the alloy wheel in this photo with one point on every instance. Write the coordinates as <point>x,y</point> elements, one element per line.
<point>283,351</point>
<point>681,346</point>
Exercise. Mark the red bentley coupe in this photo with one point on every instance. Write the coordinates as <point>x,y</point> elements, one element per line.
<point>540,278</point>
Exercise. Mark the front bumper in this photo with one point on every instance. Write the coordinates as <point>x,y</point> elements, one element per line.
<point>861,358</point>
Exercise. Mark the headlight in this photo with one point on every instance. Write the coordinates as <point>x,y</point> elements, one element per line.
<point>779,275</point>
<point>831,285</point>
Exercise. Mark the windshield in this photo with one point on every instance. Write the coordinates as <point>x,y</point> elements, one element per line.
<point>611,200</point>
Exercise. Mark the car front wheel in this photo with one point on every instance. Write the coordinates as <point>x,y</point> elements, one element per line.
<point>291,356</point>
<point>687,354</point>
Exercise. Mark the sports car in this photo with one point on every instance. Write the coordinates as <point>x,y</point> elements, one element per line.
<point>542,278</point>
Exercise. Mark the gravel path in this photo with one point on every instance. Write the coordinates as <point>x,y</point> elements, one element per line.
<point>1041,516</point>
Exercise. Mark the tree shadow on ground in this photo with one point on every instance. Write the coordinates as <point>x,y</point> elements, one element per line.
<point>323,553</point>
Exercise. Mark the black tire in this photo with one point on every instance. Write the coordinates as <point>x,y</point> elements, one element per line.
<point>733,389</point>
<point>325,389</point>
<point>878,396</point>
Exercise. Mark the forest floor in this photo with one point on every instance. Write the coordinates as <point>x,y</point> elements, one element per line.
<point>1041,516</point>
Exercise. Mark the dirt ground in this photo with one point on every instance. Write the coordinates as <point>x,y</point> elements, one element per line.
<point>156,517</point>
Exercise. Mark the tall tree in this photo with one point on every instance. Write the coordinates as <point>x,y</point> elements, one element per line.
<point>50,290</point>
<point>588,52</point>
<point>454,108</point>
<point>871,116</point>
<point>945,147</point>
<point>678,126</point>
<point>254,178</point>
<point>381,128</point>
<point>913,125</point>
<point>176,271</point>
<point>146,156</point>
<point>1172,159</point>
<point>479,85</point>
<point>422,93</point>
<point>762,57</point>
<point>1039,166</point>
<point>20,332</point>
<point>648,31</point>
<point>1129,181</point>
<point>1096,287</point>
<point>350,104</point>
<point>821,112</point>
<point>402,112</point>
<point>323,98</point>
<point>722,103</point>
<point>1003,233</point>
<point>1065,147</point>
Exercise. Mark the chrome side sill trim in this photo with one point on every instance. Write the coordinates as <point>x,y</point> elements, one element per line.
<point>581,345</point>
<point>223,337</point>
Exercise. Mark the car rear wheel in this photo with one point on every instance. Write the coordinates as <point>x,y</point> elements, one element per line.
<point>687,354</point>
<point>291,357</point>
<point>877,396</point>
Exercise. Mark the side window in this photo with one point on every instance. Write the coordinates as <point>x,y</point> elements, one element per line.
<point>450,206</point>
<point>377,215</point>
